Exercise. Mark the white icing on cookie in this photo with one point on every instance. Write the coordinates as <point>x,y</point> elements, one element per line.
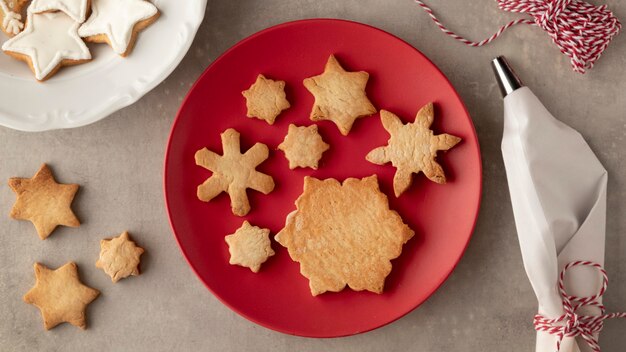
<point>116,19</point>
<point>11,21</point>
<point>76,9</point>
<point>48,39</point>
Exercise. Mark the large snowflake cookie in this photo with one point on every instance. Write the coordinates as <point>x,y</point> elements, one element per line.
<point>344,234</point>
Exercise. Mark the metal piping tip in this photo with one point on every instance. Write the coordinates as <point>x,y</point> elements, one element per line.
<point>507,79</point>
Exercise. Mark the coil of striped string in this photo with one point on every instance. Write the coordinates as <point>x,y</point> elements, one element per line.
<point>570,324</point>
<point>582,31</point>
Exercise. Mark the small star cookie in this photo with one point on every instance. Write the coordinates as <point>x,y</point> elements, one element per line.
<point>339,96</point>
<point>119,257</point>
<point>234,172</point>
<point>303,146</point>
<point>344,234</point>
<point>118,22</point>
<point>60,296</point>
<point>266,99</point>
<point>249,246</point>
<point>412,148</point>
<point>43,201</point>
<point>45,56</point>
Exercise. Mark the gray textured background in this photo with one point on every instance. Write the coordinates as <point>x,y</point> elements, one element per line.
<point>486,305</point>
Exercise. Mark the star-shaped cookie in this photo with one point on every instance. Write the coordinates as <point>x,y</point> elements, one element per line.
<point>266,99</point>
<point>412,148</point>
<point>339,96</point>
<point>43,201</point>
<point>45,55</point>
<point>249,246</point>
<point>117,22</point>
<point>303,146</point>
<point>119,257</point>
<point>344,233</point>
<point>234,172</point>
<point>60,296</point>
<point>76,9</point>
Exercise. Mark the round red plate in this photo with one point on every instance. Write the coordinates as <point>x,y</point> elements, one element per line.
<point>401,81</point>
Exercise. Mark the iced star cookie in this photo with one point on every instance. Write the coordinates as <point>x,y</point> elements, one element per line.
<point>76,9</point>
<point>117,22</point>
<point>10,16</point>
<point>344,234</point>
<point>303,146</point>
<point>49,41</point>
<point>412,148</point>
<point>43,201</point>
<point>249,246</point>
<point>60,296</point>
<point>339,96</point>
<point>266,99</point>
<point>119,257</point>
<point>234,172</point>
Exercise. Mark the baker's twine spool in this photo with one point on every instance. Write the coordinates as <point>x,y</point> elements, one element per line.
<point>582,31</point>
<point>571,324</point>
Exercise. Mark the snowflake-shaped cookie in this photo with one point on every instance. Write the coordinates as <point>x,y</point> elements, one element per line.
<point>412,148</point>
<point>303,146</point>
<point>344,234</point>
<point>266,99</point>
<point>119,257</point>
<point>249,246</point>
<point>234,172</point>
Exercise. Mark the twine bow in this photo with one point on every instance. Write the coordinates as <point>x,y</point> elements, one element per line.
<point>581,31</point>
<point>571,324</point>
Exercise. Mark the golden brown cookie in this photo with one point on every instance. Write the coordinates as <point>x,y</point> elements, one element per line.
<point>344,234</point>
<point>339,96</point>
<point>60,296</point>
<point>266,99</point>
<point>303,146</point>
<point>119,257</point>
<point>234,172</point>
<point>10,16</point>
<point>43,201</point>
<point>249,246</point>
<point>412,148</point>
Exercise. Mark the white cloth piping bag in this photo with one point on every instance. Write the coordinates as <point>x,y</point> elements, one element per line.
<point>558,194</point>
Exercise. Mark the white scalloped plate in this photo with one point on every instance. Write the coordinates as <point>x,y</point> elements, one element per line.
<point>83,94</point>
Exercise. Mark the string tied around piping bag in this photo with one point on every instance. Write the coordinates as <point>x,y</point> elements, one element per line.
<point>572,324</point>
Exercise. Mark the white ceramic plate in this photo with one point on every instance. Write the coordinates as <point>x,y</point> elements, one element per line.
<point>80,95</point>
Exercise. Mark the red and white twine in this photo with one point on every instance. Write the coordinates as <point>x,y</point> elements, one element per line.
<point>581,31</point>
<point>570,324</point>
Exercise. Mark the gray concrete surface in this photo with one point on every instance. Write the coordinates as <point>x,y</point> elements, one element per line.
<point>486,305</point>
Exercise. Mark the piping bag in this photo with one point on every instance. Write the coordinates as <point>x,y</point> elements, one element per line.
<point>558,194</point>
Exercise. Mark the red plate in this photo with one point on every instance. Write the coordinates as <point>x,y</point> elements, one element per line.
<point>401,80</point>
